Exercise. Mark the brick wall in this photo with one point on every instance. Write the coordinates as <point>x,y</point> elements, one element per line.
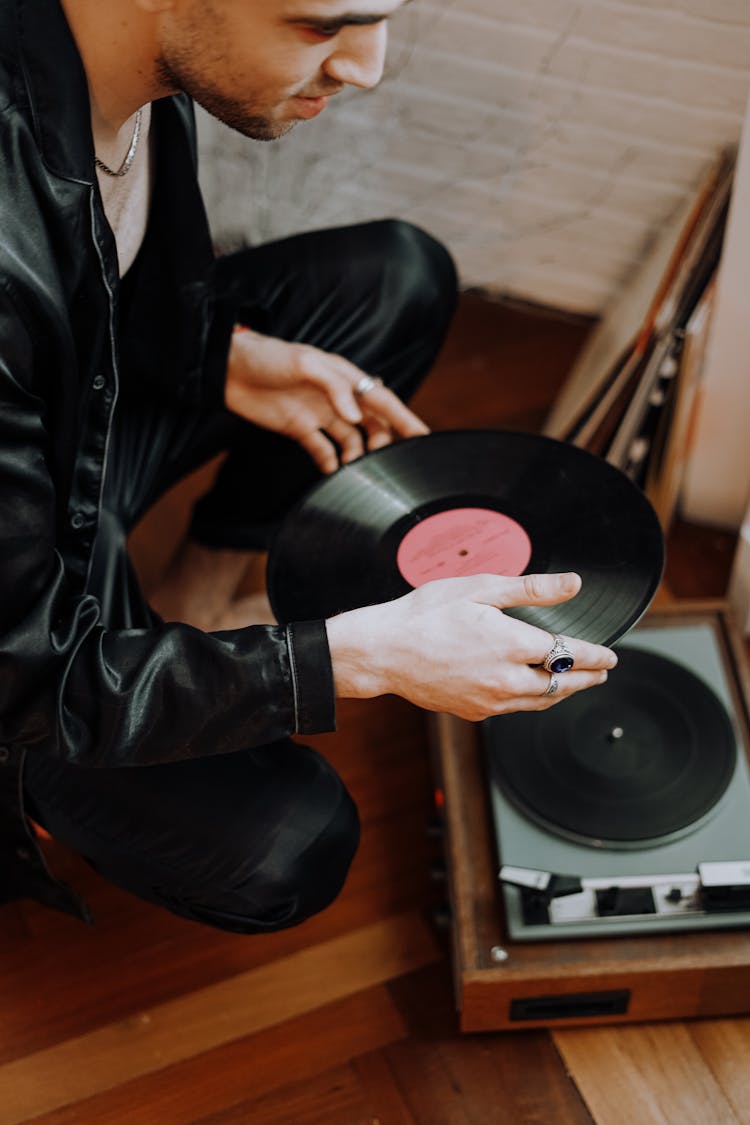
<point>546,141</point>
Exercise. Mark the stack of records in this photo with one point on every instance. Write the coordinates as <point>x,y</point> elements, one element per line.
<point>631,396</point>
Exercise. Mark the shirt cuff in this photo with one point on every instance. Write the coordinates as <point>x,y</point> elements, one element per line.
<point>312,677</point>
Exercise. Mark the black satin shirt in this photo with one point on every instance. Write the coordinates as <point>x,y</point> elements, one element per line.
<point>69,686</point>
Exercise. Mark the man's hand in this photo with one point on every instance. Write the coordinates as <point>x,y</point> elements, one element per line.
<point>448,646</point>
<point>308,395</point>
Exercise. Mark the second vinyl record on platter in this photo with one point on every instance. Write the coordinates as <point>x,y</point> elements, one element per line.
<point>463,502</point>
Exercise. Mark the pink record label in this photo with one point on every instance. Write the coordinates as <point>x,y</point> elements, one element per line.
<point>463,541</point>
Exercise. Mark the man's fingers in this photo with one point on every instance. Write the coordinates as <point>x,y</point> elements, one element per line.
<point>532,694</point>
<point>529,589</point>
<point>336,378</point>
<point>339,379</point>
<point>348,438</point>
<point>377,433</point>
<point>551,589</point>
<point>543,702</point>
<point>378,401</point>
<point>568,683</point>
<point>321,449</point>
<point>531,643</point>
<point>585,655</point>
<point>523,680</point>
<point>388,407</point>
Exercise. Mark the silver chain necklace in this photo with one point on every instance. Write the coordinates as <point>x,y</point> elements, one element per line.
<point>127,163</point>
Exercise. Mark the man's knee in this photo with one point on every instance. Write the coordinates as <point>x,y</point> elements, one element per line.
<point>300,874</point>
<point>423,275</point>
<point>248,842</point>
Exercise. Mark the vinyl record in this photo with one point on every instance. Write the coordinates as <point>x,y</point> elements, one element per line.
<point>641,760</point>
<point>470,502</point>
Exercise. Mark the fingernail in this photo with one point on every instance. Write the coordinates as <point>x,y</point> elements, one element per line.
<point>571,581</point>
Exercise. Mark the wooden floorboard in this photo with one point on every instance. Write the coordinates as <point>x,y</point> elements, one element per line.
<point>201,1020</point>
<point>724,1046</point>
<point>655,1075</point>
<point>448,1079</point>
<point>248,1068</point>
<point>349,1019</point>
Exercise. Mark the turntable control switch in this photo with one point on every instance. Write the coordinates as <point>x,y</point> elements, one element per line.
<point>622,901</point>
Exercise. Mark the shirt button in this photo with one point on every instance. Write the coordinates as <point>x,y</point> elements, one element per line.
<point>99,382</point>
<point>77,520</point>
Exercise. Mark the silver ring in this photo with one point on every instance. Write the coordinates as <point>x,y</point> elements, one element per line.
<point>366,384</point>
<point>559,658</point>
<point>552,686</point>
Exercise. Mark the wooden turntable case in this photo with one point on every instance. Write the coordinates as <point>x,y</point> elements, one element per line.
<point>504,985</point>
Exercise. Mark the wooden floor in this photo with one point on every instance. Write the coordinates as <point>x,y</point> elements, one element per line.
<point>347,1020</point>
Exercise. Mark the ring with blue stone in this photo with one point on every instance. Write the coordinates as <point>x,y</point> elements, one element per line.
<point>559,658</point>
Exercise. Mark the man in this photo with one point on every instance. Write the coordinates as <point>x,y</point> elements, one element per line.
<point>157,745</point>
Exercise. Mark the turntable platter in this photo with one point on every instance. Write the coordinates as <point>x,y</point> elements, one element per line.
<point>642,758</point>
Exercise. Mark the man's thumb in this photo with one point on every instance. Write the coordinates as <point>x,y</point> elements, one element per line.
<point>540,589</point>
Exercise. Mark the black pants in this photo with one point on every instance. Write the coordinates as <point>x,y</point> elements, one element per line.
<point>263,838</point>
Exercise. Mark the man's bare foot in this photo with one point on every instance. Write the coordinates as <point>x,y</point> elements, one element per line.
<point>214,589</point>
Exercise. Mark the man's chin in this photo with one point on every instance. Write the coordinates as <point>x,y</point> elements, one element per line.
<point>256,127</point>
<point>260,129</point>
<point>273,133</point>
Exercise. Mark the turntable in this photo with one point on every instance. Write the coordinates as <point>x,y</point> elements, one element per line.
<point>627,808</point>
<point>599,865</point>
<point>624,835</point>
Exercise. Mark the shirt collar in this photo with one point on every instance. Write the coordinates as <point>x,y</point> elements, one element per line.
<point>57,88</point>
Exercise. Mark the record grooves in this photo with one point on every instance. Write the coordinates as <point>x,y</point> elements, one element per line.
<point>465,502</point>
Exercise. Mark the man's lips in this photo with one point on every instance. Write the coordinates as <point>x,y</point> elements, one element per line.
<point>310,107</point>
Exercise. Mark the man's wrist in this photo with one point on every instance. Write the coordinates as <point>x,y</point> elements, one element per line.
<point>357,647</point>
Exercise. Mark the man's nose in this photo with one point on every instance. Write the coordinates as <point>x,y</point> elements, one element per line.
<point>359,56</point>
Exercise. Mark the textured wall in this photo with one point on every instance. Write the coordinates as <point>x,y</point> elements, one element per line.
<point>545,140</point>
